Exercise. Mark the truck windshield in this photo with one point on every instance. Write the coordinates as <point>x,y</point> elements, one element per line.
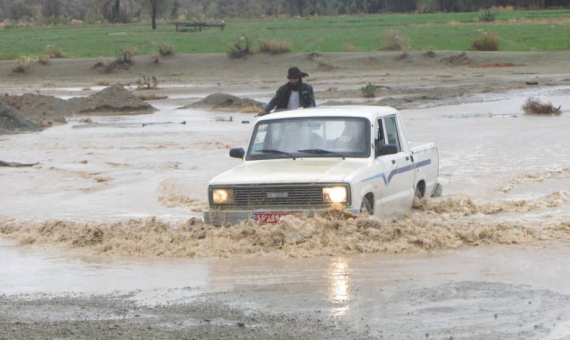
<point>311,138</point>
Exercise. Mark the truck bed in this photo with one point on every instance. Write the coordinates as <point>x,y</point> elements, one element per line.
<point>426,166</point>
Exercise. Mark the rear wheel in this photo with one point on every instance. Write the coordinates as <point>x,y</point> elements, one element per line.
<point>419,195</point>
<point>367,206</point>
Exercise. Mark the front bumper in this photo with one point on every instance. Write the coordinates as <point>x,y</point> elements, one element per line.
<point>223,218</point>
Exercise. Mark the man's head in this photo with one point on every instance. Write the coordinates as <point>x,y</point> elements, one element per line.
<point>294,75</point>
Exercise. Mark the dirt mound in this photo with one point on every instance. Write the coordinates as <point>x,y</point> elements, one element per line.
<point>44,111</point>
<point>112,100</point>
<point>458,59</point>
<point>224,102</point>
<point>12,121</point>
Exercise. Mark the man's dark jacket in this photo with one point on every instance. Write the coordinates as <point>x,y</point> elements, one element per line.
<point>306,98</point>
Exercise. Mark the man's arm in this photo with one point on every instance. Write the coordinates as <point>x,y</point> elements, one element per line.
<point>312,102</point>
<point>272,103</point>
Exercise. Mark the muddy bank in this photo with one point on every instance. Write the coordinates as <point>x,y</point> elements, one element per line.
<point>448,224</point>
<point>226,102</point>
<point>401,310</point>
<point>46,111</point>
<point>11,121</point>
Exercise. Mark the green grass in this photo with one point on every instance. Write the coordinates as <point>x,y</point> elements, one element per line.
<point>441,31</point>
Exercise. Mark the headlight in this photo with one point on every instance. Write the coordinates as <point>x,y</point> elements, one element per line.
<point>223,196</point>
<point>335,194</point>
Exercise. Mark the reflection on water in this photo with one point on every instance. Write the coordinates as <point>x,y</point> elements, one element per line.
<point>339,287</point>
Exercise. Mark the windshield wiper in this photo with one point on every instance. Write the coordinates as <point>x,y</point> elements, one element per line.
<point>275,152</point>
<point>322,152</point>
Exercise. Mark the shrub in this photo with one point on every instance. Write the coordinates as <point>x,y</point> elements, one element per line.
<point>240,48</point>
<point>166,50</point>
<point>487,43</point>
<point>275,46</point>
<point>125,57</point>
<point>44,60</point>
<point>147,83</point>
<point>487,15</point>
<point>393,40</point>
<point>54,52</point>
<point>538,107</point>
<point>24,65</point>
<point>351,48</point>
<point>369,91</point>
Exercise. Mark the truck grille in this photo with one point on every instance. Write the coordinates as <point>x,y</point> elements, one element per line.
<point>261,196</point>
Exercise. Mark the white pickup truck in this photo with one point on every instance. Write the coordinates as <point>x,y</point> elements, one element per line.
<point>304,161</point>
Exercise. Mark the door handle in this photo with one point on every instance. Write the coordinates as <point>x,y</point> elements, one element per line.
<point>407,158</point>
<point>394,161</point>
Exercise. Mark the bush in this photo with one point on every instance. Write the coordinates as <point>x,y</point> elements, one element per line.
<point>537,107</point>
<point>488,15</point>
<point>369,91</point>
<point>487,43</point>
<point>393,40</point>
<point>125,57</point>
<point>275,46</point>
<point>149,83</point>
<point>54,52</point>
<point>44,60</point>
<point>240,48</point>
<point>166,50</point>
<point>24,65</point>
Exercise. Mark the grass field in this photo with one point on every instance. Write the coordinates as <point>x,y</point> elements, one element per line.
<point>517,31</point>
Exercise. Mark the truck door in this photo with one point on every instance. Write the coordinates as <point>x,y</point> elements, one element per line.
<point>397,193</point>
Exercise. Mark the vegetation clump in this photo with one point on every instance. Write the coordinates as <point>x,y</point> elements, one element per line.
<point>166,50</point>
<point>24,65</point>
<point>488,15</point>
<point>123,61</point>
<point>536,106</point>
<point>53,52</point>
<point>147,83</point>
<point>275,46</point>
<point>240,48</point>
<point>126,56</point>
<point>393,40</point>
<point>487,43</point>
<point>369,91</point>
<point>44,60</point>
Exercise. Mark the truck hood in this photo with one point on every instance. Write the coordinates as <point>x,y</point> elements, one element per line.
<point>290,171</point>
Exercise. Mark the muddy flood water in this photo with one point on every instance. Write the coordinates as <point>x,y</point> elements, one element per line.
<point>103,236</point>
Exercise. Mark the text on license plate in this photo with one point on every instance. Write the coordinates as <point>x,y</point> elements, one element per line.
<point>265,218</point>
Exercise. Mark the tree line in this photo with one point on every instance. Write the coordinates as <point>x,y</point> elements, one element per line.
<point>126,10</point>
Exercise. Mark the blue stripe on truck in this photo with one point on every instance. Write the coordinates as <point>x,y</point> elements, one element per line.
<point>402,170</point>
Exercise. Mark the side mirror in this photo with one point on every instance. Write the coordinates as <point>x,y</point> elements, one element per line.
<point>237,153</point>
<point>386,150</point>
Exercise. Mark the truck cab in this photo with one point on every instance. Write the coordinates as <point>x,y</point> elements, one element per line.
<point>305,161</point>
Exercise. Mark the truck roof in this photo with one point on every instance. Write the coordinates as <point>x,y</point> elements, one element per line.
<point>370,112</point>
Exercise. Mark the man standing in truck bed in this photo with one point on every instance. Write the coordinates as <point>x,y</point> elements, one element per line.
<point>293,95</point>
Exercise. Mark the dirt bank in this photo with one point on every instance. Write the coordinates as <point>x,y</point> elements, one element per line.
<point>426,80</point>
<point>11,121</point>
<point>46,111</point>
<point>226,102</point>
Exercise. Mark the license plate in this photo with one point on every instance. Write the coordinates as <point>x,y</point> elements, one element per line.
<point>266,218</point>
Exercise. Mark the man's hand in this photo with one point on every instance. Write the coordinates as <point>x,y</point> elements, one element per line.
<point>261,113</point>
